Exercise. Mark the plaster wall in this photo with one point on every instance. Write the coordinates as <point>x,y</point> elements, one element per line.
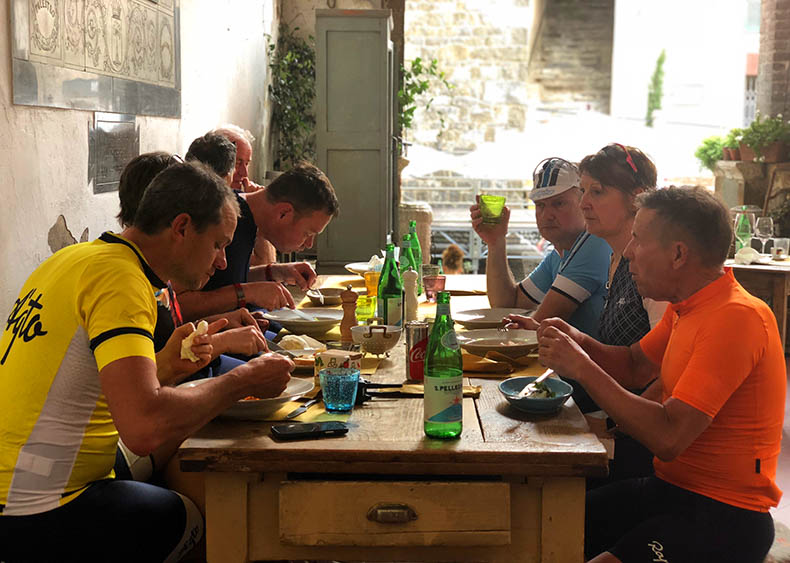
<point>44,152</point>
<point>706,43</point>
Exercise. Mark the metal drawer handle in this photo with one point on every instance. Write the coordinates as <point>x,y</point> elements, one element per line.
<point>391,513</point>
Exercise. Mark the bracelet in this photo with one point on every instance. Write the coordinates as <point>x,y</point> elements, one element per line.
<point>267,271</point>
<point>241,300</point>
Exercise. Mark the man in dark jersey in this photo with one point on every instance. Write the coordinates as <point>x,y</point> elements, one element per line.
<point>289,213</point>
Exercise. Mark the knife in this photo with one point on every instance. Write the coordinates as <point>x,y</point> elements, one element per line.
<point>301,409</point>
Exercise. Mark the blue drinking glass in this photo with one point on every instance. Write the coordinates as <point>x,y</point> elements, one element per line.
<point>339,388</point>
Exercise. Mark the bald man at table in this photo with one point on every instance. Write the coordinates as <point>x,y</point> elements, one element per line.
<point>713,418</point>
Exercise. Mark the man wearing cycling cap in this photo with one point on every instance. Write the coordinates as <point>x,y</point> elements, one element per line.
<point>570,282</point>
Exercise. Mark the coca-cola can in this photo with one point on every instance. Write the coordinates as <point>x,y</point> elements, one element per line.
<point>416,345</point>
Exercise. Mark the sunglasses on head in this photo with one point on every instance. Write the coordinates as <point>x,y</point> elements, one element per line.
<point>628,159</point>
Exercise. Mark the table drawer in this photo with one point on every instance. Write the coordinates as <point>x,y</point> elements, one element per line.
<point>394,513</point>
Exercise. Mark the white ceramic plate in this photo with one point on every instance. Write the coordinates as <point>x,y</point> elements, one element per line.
<point>485,318</point>
<point>324,320</point>
<point>511,343</point>
<point>261,409</point>
<point>358,268</point>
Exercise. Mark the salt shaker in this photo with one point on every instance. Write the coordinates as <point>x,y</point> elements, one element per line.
<point>349,299</point>
<point>409,295</point>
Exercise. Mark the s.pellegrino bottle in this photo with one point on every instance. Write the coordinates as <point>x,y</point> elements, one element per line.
<point>407,259</point>
<point>443,385</point>
<point>416,250</point>
<point>390,298</point>
<point>743,229</point>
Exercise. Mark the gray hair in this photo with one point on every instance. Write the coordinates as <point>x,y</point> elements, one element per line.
<point>234,132</point>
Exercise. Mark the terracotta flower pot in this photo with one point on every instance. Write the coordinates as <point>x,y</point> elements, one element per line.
<point>775,152</point>
<point>726,154</point>
<point>735,153</point>
<point>747,154</point>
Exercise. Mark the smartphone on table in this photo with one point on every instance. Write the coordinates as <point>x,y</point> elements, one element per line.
<point>303,430</point>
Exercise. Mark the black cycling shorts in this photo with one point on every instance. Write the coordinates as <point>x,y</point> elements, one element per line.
<point>113,520</point>
<point>651,520</point>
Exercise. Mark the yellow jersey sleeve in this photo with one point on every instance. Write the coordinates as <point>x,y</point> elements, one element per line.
<point>118,309</point>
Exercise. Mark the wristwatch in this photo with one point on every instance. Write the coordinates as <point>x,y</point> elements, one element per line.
<point>241,300</point>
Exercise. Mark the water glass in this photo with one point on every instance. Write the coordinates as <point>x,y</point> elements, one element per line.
<point>372,283</point>
<point>491,208</point>
<point>432,285</point>
<point>339,388</point>
<point>366,308</point>
<point>780,249</point>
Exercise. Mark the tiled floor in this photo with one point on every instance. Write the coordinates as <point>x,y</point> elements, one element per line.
<point>782,512</point>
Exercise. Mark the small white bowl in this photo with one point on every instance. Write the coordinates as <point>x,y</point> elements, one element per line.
<point>376,339</point>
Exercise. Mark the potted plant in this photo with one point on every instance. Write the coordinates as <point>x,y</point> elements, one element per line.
<point>710,151</point>
<point>292,90</point>
<point>417,79</point>
<point>732,144</point>
<point>765,139</point>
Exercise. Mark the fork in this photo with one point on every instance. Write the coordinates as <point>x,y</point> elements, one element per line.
<point>532,387</point>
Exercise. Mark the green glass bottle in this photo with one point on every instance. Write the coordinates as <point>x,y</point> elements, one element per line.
<point>390,298</point>
<point>417,251</point>
<point>441,270</point>
<point>743,229</point>
<point>443,385</point>
<point>406,258</point>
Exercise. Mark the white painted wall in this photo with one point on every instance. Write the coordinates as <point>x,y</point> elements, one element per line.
<point>44,152</point>
<point>704,74</point>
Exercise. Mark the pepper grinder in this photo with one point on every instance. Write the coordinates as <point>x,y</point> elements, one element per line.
<point>410,295</point>
<point>349,299</point>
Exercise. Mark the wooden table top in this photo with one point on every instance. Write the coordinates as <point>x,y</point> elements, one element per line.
<point>386,436</point>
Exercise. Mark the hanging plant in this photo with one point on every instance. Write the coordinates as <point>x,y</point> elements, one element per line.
<point>655,91</point>
<point>292,90</point>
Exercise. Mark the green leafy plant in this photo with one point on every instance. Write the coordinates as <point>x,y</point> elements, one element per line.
<point>709,151</point>
<point>417,79</point>
<point>655,91</point>
<point>763,132</point>
<point>733,138</point>
<point>292,90</point>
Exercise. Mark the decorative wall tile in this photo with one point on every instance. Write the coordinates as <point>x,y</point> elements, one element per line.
<point>46,29</point>
<point>74,33</point>
<point>166,50</point>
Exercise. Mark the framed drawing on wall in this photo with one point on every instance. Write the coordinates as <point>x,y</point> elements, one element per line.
<point>119,56</point>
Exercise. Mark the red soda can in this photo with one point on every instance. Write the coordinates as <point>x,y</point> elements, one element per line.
<point>416,344</point>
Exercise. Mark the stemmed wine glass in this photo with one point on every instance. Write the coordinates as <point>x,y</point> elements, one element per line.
<point>763,231</point>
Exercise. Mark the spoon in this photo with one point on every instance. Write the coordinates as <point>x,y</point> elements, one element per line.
<point>533,387</point>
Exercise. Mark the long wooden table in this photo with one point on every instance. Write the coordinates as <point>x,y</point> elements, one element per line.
<point>510,489</point>
<point>771,283</point>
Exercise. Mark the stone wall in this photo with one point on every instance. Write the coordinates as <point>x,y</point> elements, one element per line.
<point>773,78</point>
<point>571,63</point>
<point>483,49</point>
